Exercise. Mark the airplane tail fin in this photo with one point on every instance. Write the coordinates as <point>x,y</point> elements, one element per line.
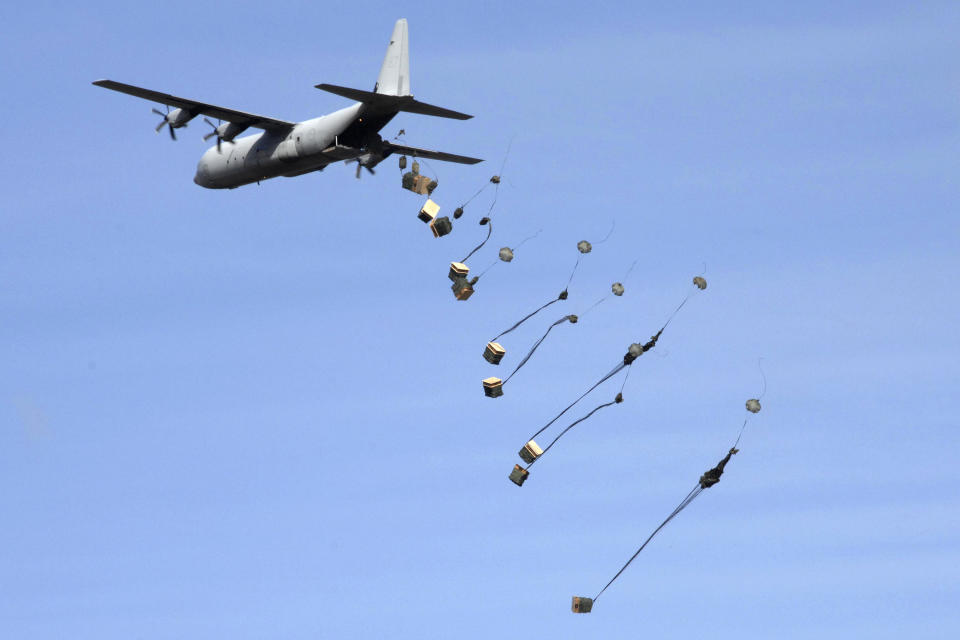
<point>394,78</point>
<point>392,92</point>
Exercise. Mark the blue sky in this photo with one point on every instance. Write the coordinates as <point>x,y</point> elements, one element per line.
<point>258,413</point>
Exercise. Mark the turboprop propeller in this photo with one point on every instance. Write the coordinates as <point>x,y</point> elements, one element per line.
<point>173,120</point>
<point>225,132</point>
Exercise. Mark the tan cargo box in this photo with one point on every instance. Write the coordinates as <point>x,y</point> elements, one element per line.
<point>530,452</point>
<point>429,211</point>
<point>519,475</point>
<point>494,353</point>
<point>458,270</point>
<point>493,387</point>
<point>581,604</point>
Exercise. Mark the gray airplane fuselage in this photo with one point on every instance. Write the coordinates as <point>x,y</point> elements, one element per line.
<point>309,146</point>
<point>287,148</point>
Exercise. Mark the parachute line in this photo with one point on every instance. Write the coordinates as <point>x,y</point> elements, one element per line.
<point>763,376</point>
<point>479,246</point>
<point>570,279</point>
<point>612,373</point>
<point>571,426</point>
<point>534,348</point>
<point>613,226</point>
<point>492,265</point>
<point>522,242</point>
<point>697,490</point>
<point>594,305</point>
<point>525,318</point>
<point>479,191</point>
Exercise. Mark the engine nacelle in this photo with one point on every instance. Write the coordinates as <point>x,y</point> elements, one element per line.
<point>179,118</point>
<point>229,130</point>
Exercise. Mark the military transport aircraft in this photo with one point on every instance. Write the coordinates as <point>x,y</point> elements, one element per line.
<point>295,148</point>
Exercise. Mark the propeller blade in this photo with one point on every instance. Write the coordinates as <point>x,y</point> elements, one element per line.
<point>218,145</point>
<point>359,166</point>
<point>173,136</point>
<point>370,169</point>
<point>160,126</point>
<point>159,113</point>
<point>209,135</point>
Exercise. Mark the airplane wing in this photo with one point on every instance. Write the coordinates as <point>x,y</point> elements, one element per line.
<point>431,155</point>
<point>230,115</point>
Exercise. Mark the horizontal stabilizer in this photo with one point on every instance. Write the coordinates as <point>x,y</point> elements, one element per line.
<point>399,103</point>
<point>430,155</point>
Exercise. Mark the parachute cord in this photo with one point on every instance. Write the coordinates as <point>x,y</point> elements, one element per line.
<point>496,194</point>
<point>477,248</point>
<point>492,265</point>
<point>574,271</point>
<point>764,376</point>
<point>571,426</point>
<point>525,318</point>
<point>749,415</point>
<point>593,305</point>
<point>690,293</point>
<point>612,373</point>
<point>629,369</point>
<point>597,303</point>
<point>739,435</point>
<point>496,186</point>
<point>602,406</point>
<point>612,227</point>
<point>522,242</point>
<point>675,311</point>
<point>481,190</point>
<point>697,490</point>
<point>627,275</point>
<point>436,176</point>
<point>537,344</point>
<point>507,154</point>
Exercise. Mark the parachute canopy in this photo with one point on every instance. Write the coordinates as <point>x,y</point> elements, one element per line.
<point>700,282</point>
<point>506,254</point>
<point>753,405</point>
<point>617,289</point>
<point>584,247</point>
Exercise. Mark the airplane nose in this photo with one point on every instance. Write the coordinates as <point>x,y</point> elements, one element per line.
<point>202,176</point>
